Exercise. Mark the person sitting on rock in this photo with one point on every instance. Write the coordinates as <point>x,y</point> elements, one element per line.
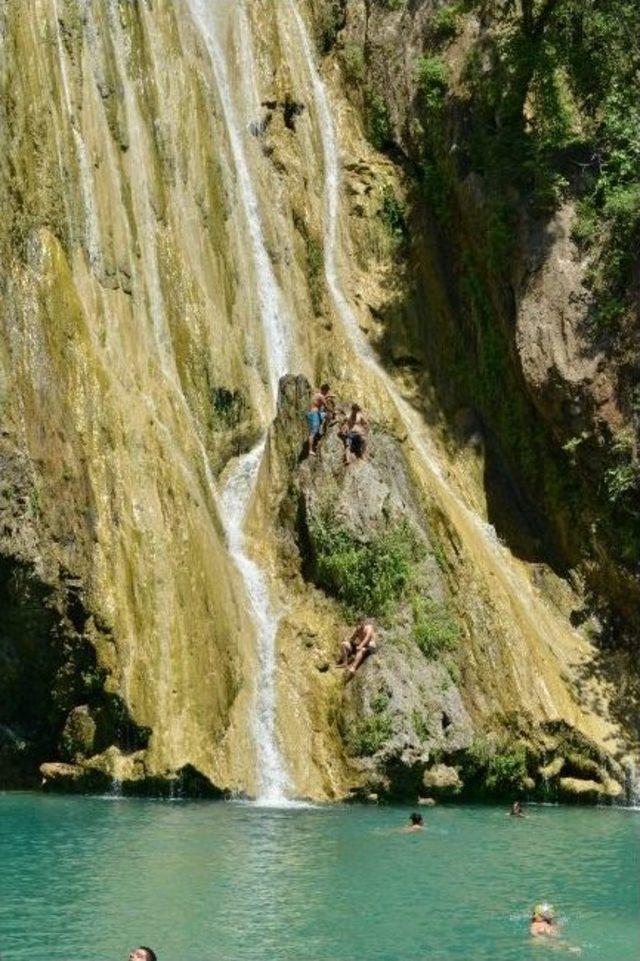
<point>358,646</point>
<point>354,432</point>
<point>543,921</point>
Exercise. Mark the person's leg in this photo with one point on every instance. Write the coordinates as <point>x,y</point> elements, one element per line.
<point>358,659</point>
<point>313,420</point>
<point>348,449</point>
<point>346,652</point>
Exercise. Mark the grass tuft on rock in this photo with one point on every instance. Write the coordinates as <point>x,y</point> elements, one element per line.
<point>367,577</point>
<point>435,629</point>
<point>369,735</point>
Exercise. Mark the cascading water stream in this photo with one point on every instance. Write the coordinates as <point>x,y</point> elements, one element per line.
<point>235,500</point>
<point>272,776</point>
<point>530,611</point>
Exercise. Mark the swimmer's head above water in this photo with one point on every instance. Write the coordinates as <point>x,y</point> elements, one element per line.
<point>544,912</point>
<point>142,954</point>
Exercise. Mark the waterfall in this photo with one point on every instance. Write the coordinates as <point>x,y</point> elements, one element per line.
<point>236,497</point>
<point>534,618</point>
<point>271,313</point>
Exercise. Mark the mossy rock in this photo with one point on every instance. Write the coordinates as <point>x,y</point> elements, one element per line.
<point>78,735</point>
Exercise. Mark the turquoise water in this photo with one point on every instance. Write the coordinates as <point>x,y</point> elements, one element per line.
<point>85,879</point>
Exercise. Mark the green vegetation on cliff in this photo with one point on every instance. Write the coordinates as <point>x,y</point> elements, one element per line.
<point>367,577</point>
<point>516,123</point>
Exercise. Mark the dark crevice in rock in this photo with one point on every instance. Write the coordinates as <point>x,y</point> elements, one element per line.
<point>53,703</point>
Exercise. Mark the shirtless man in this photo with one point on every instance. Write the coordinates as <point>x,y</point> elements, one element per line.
<point>319,415</point>
<point>354,432</point>
<point>416,823</point>
<point>325,402</point>
<point>359,645</point>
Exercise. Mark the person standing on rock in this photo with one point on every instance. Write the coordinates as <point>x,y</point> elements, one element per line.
<point>326,404</point>
<point>314,423</point>
<point>358,646</point>
<point>319,415</point>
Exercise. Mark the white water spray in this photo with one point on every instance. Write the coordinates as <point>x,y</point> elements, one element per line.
<point>271,312</point>
<point>235,500</point>
<point>272,776</point>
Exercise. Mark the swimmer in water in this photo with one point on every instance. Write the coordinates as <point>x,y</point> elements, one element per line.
<point>416,823</point>
<point>543,921</point>
<point>142,954</point>
<point>516,810</point>
<point>543,925</point>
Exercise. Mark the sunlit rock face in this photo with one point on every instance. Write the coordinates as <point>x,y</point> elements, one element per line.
<point>166,249</point>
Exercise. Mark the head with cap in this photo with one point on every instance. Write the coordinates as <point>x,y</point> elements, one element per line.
<point>416,819</point>
<point>544,912</point>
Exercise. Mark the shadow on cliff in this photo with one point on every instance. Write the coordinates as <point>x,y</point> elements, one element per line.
<point>53,702</point>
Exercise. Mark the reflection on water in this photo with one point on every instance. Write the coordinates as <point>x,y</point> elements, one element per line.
<point>83,878</point>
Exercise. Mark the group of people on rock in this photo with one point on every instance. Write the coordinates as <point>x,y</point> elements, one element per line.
<point>353,427</point>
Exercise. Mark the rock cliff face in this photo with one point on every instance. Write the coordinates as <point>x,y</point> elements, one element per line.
<point>165,183</point>
<point>437,689</point>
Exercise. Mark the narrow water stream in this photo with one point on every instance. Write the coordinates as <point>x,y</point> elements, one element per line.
<point>272,778</point>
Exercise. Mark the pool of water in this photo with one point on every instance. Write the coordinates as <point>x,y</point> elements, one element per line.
<point>86,879</point>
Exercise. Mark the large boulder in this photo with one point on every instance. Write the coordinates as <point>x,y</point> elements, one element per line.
<point>78,735</point>
<point>72,778</point>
